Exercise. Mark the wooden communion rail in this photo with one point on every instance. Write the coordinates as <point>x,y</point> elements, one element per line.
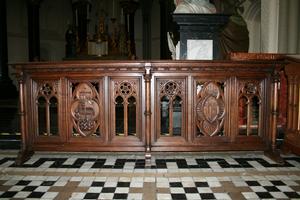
<point>150,105</point>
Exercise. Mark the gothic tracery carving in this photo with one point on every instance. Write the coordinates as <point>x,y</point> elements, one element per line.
<point>47,89</point>
<point>125,89</point>
<point>46,99</point>
<point>250,88</point>
<point>171,95</point>
<point>126,104</point>
<point>249,106</point>
<point>171,88</point>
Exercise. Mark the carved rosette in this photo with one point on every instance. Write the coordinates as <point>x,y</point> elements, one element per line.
<point>210,109</point>
<point>85,109</point>
<point>171,89</point>
<point>125,89</point>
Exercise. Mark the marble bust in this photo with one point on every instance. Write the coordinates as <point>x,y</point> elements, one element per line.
<point>194,6</point>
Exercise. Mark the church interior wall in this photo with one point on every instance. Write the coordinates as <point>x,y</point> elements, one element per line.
<point>289,27</point>
<point>269,25</point>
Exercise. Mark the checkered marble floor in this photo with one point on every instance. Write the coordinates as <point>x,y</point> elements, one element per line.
<point>78,176</point>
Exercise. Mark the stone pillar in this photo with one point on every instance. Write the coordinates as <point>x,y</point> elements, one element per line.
<point>283,26</point>
<point>269,26</point>
<point>33,14</point>
<point>293,28</point>
<point>7,89</point>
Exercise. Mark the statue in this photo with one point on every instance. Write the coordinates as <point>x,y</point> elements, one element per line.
<point>235,36</point>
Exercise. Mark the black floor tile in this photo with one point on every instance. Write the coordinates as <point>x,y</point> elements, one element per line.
<point>91,196</point>
<point>36,195</point>
<point>190,190</point>
<point>178,196</point>
<point>252,183</point>
<point>123,184</point>
<point>264,195</point>
<point>22,182</point>
<point>201,184</point>
<point>207,196</point>
<point>292,195</point>
<point>8,194</point>
<point>277,183</point>
<point>120,196</point>
<point>97,184</point>
<point>176,184</point>
<point>29,188</point>
<point>48,183</point>
<point>108,190</point>
<point>271,188</point>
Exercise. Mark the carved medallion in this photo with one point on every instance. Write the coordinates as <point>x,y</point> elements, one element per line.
<point>85,109</point>
<point>210,109</point>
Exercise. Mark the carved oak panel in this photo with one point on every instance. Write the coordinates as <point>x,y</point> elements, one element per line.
<point>85,109</point>
<point>210,108</point>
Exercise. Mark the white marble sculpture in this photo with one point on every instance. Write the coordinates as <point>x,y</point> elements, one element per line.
<point>194,6</point>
